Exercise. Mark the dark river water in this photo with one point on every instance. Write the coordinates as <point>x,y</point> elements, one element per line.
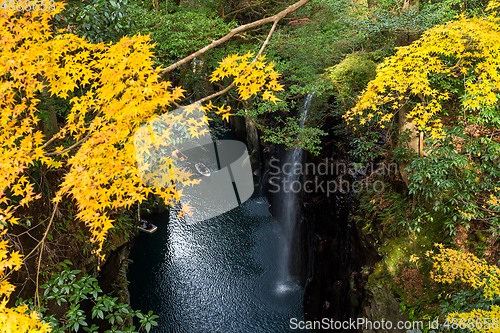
<point>217,275</point>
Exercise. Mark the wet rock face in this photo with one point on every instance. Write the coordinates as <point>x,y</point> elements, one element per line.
<point>338,250</point>
<point>380,304</point>
<point>334,284</point>
<point>252,138</point>
<point>332,287</point>
<point>245,129</point>
<point>238,127</point>
<point>110,270</point>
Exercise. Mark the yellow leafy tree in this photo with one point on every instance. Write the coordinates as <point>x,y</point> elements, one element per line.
<point>120,92</point>
<point>251,77</point>
<point>451,266</point>
<point>466,48</point>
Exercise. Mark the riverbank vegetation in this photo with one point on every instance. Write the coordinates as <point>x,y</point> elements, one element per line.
<point>411,82</point>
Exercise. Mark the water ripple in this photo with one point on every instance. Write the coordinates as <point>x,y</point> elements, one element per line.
<point>219,275</point>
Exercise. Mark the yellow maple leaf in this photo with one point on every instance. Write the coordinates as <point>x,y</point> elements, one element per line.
<point>274,99</point>
<point>225,116</point>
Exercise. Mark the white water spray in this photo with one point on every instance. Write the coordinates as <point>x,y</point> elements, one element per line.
<point>288,207</point>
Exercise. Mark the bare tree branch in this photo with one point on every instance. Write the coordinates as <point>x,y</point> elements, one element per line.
<point>239,29</point>
<point>266,41</point>
<point>37,296</point>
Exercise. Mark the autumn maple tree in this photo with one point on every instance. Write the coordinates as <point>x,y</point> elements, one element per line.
<point>120,91</point>
<point>466,271</point>
<point>466,48</point>
<point>446,85</point>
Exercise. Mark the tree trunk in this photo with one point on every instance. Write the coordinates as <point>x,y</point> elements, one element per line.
<point>404,38</point>
<point>407,4</point>
<point>49,124</point>
<point>415,141</point>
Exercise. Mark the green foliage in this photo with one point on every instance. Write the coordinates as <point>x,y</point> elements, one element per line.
<point>302,51</point>
<point>392,19</point>
<point>469,7</point>
<point>125,227</point>
<point>457,184</point>
<point>286,130</point>
<point>466,301</point>
<point>179,34</point>
<point>367,147</point>
<point>391,16</point>
<point>67,288</point>
<point>452,186</point>
<point>147,321</point>
<point>292,136</point>
<point>97,20</point>
<point>244,11</point>
<point>351,76</point>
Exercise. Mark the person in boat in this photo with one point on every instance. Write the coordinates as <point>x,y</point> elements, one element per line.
<point>149,226</point>
<point>202,169</point>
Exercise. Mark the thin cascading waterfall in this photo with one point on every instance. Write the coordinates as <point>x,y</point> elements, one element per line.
<point>288,201</point>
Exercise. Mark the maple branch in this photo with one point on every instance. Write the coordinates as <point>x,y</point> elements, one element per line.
<point>204,99</point>
<point>82,140</point>
<point>26,257</point>
<point>54,137</point>
<point>37,297</point>
<point>266,41</point>
<point>58,134</point>
<point>139,212</point>
<point>231,33</point>
<point>236,98</point>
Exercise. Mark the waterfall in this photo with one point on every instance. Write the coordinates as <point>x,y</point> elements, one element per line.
<point>288,206</point>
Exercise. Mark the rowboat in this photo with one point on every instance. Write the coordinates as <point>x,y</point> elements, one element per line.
<point>202,169</point>
<point>147,227</point>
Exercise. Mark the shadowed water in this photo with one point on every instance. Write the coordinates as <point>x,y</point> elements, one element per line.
<point>218,275</point>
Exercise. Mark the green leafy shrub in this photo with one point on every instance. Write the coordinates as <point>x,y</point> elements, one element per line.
<point>351,75</point>
<point>67,288</point>
<point>179,34</point>
<point>97,20</point>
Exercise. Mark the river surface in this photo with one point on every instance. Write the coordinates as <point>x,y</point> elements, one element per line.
<point>217,275</point>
